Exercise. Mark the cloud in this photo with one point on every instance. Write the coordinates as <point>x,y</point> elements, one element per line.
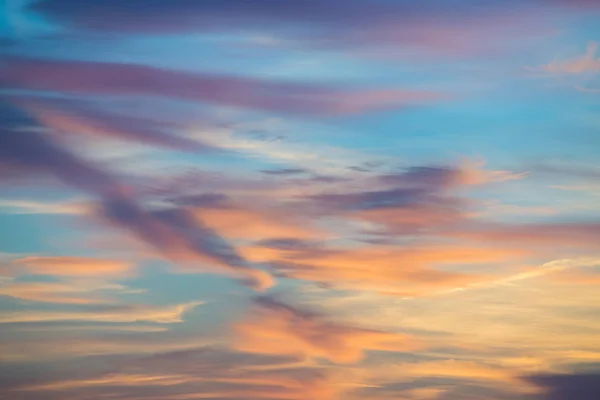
<point>559,235</point>
<point>175,233</point>
<point>25,151</point>
<point>588,63</point>
<point>285,171</point>
<point>586,89</point>
<point>255,222</point>
<point>77,280</point>
<point>579,271</point>
<point>468,172</point>
<point>465,27</point>
<point>157,314</point>
<point>409,271</point>
<point>41,207</point>
<point>417,200</point>
<point>102,78</point>
<point>77,118</point>
<point>70,292</point>
<point>45,346</point>
<point>397,377</point>
<point>565,387</point>
<point>82,267</point>
<point>178,235</point>
<point>278,329</point>
<point>208,372</point>
<point>317,157</point>
<point>563,271</point>
<point>89,328</point>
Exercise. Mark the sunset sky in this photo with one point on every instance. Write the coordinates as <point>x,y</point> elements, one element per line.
<point>299,200</point>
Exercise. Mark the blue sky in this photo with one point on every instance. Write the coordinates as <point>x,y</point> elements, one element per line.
<point>289,200</point>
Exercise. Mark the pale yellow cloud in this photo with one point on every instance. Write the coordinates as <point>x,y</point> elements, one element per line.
<point>39,207</point>
<point>157,314</point>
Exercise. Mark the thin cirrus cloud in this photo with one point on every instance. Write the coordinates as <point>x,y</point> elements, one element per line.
<point>69,292</point>
<point>586,64</point>
<point>76,280</point>
<point>69,345</point>
<point>389,378</point>
<point>162,315</point>
<point>207,372</point>
<point>103,78</point>
<point>81,267</point>
<point>78,118</point>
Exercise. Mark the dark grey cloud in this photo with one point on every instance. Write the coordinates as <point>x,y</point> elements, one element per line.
<point>204,200</point>
<point>285,171</point>
<point>585,386</point>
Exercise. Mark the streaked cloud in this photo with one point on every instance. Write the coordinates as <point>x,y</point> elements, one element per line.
<point>588,63</point>
<point>279,329</point>
<point>74,266</point>
<point>415,205</point>
<point>131,313</point>
<point>101,78</point>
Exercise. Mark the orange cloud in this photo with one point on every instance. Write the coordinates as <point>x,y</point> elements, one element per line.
<point>278,329</point>
<point>80,280</point>
<point>255,224</point>
<point>575,277</point>
<point>557,235</point>
<point>53,292</point>
<point>406,271</point>
<point>81,267</point>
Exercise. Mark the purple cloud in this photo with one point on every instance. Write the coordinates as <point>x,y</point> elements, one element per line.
<point>568,387</point>
<point>446,26</point>
<point>180,236</point>
<point>174,232</point>
<point>23,150</point>
<point>81,118</point>
<point>99,78</point>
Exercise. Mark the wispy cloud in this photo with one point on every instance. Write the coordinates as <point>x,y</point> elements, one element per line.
<point>162,315</point>
<point>279,329</point>
<point>588,63</point>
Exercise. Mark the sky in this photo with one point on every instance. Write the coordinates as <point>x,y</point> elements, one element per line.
<point>299,200</point>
